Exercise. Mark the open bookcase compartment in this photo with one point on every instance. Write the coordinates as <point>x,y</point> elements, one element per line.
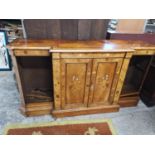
<point>135,75</point>
<point>36,79</point>
<point>148,90</point>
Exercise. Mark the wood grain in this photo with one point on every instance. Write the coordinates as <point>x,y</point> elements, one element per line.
<point>121,80</point>
<point>87,76</point>
<point>103,81</point>
<point>110,46</point>
<point>57,81</point>
<point>75,80</point>
<point>85,111</point>
<point>129,101</point>
<point>36,109</point>
<point>18,78</point>
<point>31,53</point>
<point>86,55</point>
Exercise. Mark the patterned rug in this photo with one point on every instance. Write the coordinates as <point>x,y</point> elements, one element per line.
<point>84,127</point>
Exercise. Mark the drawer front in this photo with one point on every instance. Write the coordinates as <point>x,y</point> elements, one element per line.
<point>144,52</point>
<point>92,55</point>
<point>31,52</point>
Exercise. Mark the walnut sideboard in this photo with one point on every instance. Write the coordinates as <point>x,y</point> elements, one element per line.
<point>68,78</point>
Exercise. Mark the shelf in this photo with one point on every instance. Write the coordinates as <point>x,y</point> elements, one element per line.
<point>35,109</point>
<point>36,79</point>
<point>135,75</point>
<point>129,90</point>
<point>38,96</point>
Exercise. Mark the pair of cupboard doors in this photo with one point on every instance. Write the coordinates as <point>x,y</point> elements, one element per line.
<point>85,82</point>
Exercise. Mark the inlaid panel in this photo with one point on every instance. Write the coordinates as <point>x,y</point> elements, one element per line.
<point>104,77</point>
<point>75,82</point>
<point>103,81</point>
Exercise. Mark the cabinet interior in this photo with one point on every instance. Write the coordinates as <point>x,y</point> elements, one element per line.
<point>36,78</point>
<point>135,75</point>
<point>149,86</point>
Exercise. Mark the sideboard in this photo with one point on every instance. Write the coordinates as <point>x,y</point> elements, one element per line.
<point>68,78</point>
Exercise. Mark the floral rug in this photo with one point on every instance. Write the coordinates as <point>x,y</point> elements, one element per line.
<point>79,127</point>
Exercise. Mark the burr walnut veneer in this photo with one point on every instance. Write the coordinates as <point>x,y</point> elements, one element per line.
<point>67,78</point>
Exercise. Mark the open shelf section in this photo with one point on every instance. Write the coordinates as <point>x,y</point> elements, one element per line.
<point>129,90</point>
<point>148,90</point>
<point>36,79</point>
<point>135,75</point>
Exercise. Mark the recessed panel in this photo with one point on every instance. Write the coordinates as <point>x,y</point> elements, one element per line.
<point>75,82</point>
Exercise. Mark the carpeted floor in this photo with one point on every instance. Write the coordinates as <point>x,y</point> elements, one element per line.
<point>135,120</point>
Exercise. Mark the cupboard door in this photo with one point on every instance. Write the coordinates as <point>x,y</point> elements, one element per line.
<point>104,79</point>
<point>75,82</point>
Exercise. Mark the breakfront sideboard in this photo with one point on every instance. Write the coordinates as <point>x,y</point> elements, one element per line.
<point>68,78</point>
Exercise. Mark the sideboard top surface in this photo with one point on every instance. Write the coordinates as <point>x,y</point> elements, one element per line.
<point>92,45</point>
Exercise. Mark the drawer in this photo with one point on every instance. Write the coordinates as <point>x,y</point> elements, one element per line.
<point>31,52</point>
<point>144,52</point>
<point>92,55</point>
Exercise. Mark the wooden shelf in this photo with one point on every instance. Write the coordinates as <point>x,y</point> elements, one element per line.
<point>129,89</point>
<point>34,109</point>
<point>36,81</point>
<point>38,96</point>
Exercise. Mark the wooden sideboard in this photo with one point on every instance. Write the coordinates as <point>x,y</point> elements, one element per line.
<point>68,78</point>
